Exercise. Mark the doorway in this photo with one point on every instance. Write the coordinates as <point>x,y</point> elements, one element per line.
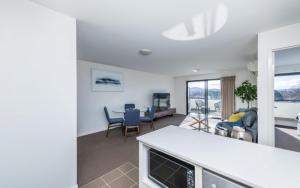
<point>204,98</point>
<point>287,98</point>
<point>268,43</point>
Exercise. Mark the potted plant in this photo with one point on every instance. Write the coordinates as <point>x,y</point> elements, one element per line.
<point>247,92</point>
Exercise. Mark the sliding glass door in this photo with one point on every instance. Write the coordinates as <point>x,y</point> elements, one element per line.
<point>204,98</point>
<point>196,97</point>
<point>214,98</point>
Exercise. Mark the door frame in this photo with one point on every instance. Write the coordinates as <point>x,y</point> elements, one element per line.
<point>205,94</point>
<point>268,43</point>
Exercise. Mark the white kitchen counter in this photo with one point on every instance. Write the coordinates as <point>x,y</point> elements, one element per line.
<point>251,164</point>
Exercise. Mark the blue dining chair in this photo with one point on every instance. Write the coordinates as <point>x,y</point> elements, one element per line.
<point>112,122</point>
<point>129,106</point>
<point>132,120</point>
<point>150,117</point>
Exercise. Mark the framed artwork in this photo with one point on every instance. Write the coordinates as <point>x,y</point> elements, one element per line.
<point>103,80</point>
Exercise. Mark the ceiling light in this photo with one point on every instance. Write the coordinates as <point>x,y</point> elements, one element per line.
<point>145,51</point>
<point>195,70</point>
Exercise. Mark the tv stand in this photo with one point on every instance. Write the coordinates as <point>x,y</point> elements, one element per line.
<point>163,113</point>
<point>161,102</point>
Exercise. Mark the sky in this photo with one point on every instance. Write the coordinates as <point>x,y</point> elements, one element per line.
<point>212,84</point>
<point>287,82</point>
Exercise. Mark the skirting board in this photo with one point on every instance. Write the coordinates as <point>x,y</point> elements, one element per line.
<point>75,186</point>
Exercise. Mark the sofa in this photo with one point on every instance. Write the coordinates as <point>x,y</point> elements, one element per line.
<point>248,122</point>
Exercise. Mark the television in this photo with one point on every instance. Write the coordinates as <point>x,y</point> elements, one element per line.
<point>161,101</point>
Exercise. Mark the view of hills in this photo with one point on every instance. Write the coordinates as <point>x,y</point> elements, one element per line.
<point>291,94</point>
<point>287,87</point>
<point>199,93</point>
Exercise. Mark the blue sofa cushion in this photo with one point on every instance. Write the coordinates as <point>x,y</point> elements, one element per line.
<point>231,124</point>
<point>243,110</point>
<point>238,123</point>
<point>253,131</point>
<point>249,118</point>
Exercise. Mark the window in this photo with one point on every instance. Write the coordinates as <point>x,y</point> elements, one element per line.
<point>287,87</point>
<point>204,98</point>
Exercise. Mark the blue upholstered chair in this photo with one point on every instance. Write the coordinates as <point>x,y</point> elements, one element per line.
<point>112,122</point>
<point>132,120</point>
<point>129,106</point>
<point>150,117</point>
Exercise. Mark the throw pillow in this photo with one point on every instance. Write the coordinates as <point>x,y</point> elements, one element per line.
<point>236,117</point>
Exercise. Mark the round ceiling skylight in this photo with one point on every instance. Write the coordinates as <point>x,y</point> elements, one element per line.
<point>201,25</point>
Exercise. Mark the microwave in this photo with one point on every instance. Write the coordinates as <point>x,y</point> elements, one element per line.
<point>167,171</point>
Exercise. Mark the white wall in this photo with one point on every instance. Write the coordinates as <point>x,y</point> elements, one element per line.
<point>38,97</point>
<point>180,86</point>
<point>268,42</point>
<point>138,88</point>
<point>287,69</point>
<point>287,109</point>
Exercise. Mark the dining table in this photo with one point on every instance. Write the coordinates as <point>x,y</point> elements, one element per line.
<point>122,111</point>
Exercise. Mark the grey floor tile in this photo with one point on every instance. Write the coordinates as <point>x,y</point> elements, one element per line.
<point>97,183</point>
<point>134,175</point>
<point>122,182</point>
<point>112,175</point>
<point>126,167</point>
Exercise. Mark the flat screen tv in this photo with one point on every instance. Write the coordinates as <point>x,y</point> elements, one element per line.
<point>161,101</point>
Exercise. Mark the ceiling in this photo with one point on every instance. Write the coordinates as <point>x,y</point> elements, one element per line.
<point>209,35</point>
<point>289,56</point>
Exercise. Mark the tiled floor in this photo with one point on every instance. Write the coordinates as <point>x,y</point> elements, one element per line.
<point>125,176</point>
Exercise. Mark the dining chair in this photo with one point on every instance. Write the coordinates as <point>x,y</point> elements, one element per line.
<point>112,122</point>
<point>149,118</point>
<point>129,106</point>
<point>132,120</point>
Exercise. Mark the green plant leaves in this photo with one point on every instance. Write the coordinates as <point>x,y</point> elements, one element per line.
<point>247,92</point>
